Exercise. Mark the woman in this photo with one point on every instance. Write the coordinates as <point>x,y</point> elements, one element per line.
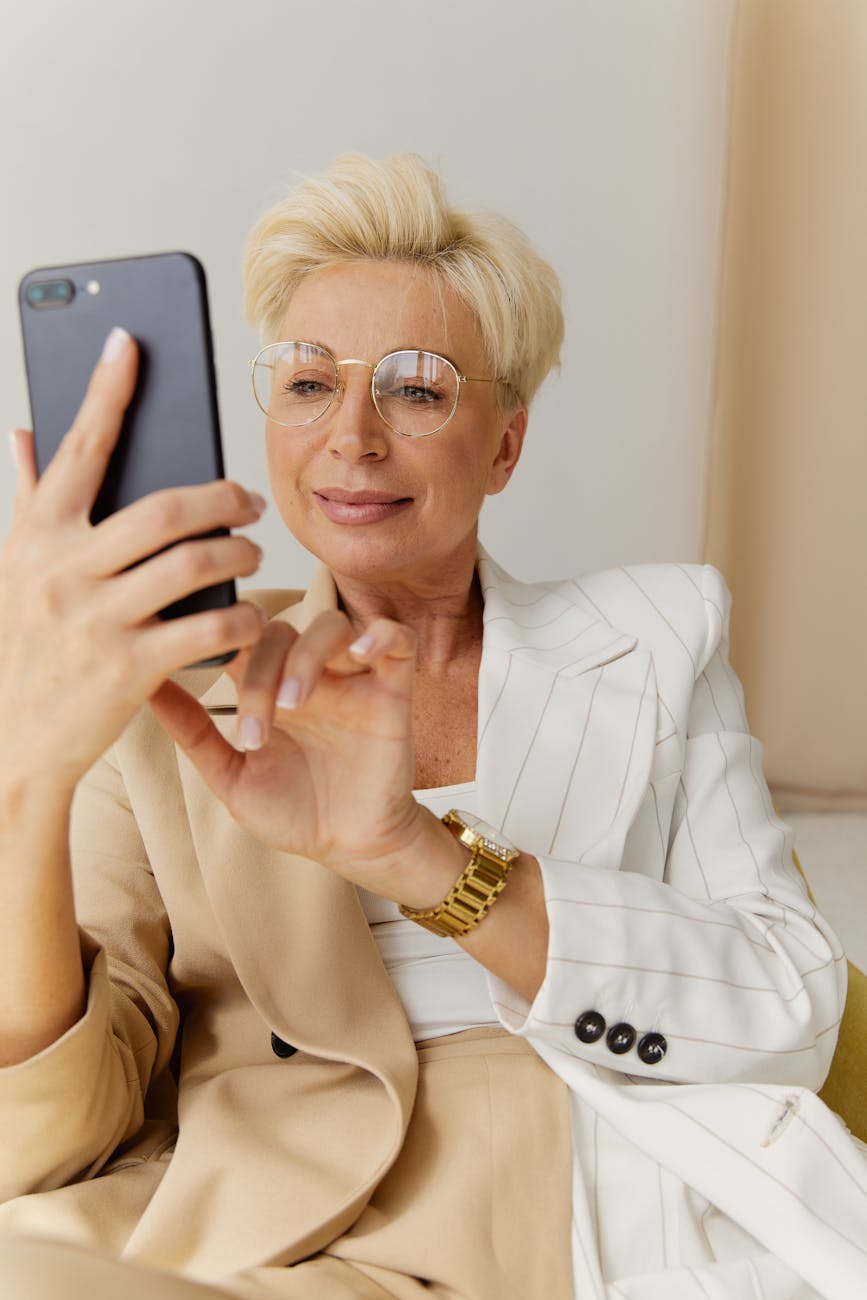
<point>413,1058</point>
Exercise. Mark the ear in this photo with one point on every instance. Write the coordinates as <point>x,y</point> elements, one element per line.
<point>508,451</point>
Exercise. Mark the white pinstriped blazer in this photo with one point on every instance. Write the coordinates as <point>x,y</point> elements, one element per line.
<point>613,746</point>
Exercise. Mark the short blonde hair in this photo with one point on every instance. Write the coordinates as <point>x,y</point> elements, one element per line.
<point>396,210</point>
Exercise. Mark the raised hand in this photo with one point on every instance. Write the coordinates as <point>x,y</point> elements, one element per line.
<point>82,647</point>
<point>327,768</point>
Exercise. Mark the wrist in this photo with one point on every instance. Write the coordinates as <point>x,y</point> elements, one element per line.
<point>479,885</point>
<point>422,872</point>
<point>23,796</point>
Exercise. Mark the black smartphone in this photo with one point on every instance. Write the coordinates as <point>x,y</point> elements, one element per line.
<point>171,431</point>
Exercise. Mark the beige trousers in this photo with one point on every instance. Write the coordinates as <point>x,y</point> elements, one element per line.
<point>477,1206</point>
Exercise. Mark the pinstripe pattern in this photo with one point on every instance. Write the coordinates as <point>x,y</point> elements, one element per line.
<point>651,841</point>
<point>614,745</point>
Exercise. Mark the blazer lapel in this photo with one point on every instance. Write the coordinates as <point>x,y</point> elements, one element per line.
<point>567,722</point>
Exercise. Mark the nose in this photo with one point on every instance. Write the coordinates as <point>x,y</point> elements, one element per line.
<point>355,429</point>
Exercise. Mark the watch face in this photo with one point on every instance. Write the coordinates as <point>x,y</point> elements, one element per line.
<point>495,839</point>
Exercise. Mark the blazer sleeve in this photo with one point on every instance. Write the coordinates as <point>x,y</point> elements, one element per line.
<point>724,957</point>
<point>64,1111</point>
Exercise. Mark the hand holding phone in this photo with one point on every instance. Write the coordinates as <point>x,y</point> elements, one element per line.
<point>82,648</point>
<point>170,435</point>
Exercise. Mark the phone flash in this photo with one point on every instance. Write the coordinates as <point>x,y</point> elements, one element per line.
<point>92,286</point>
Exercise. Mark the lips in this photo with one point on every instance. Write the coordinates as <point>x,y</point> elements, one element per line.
<point>364,506</point>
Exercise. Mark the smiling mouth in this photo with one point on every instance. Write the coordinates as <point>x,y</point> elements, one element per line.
<point>364,507</point>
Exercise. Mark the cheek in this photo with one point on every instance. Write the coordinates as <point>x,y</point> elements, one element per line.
<point>454,496</point>
<point>288,457</point>
<point>465,472</point>
<point>285,466</point>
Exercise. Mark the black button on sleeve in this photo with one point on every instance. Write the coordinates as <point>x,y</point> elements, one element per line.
<point>282,1049</point>
<point>652,1048</point>
<point>620,1038</point>
<point>589,1027</point>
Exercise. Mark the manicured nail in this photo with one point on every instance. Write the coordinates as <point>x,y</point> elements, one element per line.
<point>250,732</point>
<point>258,503</point>
<point>361,646</point>
<point>289,693</point>
<point>114,345</point>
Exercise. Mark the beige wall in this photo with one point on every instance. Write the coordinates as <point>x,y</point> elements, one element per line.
<point>787,520</point>
<point>705,200</point>
<point>130,127</point>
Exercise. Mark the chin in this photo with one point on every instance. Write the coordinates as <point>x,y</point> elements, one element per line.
<point>359,557</point>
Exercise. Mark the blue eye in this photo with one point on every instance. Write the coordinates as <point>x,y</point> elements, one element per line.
<point>305,388</point>
<point>418,394</point>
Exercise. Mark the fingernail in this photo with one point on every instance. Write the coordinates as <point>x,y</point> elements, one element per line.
<point>362,645</point>
<point>289,693</point>
<point>250,732</point>
<point>13,447</point>
<point>114,345</point>
<point>258,503</point>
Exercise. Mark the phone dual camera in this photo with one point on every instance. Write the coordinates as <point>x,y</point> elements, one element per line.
<point>55,293</point>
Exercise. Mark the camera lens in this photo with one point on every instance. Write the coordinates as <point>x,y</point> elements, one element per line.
<point>50,293</point>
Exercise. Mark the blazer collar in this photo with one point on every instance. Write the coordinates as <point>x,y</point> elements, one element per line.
<point>533,621</point>
<point>537,622</point>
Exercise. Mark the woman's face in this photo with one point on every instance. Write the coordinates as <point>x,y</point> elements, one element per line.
<point>373,505</point>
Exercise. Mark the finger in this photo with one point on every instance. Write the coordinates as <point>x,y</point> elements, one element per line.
<point>72,479</point>
<point>388,649</point>
<point>157,520</point>
<point>24,460</point>
<point>179,642</point>
<point>324,644</point>
<point>139,593</point>
<point>257,689</point>
<point>190,726</point>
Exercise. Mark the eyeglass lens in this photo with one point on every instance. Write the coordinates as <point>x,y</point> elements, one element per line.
<point>415,392</point>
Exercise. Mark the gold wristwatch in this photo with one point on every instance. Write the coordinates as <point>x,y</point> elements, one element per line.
<point>477,887</point>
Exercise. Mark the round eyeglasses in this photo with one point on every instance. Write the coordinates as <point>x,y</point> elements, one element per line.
<point>416,393</point>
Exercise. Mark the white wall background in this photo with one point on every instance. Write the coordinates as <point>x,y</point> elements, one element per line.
<point>129,127</point>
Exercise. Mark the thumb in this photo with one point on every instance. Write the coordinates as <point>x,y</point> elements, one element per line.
<point>24,460</point>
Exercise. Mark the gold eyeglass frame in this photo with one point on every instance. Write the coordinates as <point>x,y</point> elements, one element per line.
<point>355,361</point>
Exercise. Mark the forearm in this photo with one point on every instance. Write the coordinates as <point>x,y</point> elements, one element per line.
<point>42,988</point>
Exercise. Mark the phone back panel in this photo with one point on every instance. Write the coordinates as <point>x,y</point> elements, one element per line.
<point>171,431</point>
<point>171,434</point>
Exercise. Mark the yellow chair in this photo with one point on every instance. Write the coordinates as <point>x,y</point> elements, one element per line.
<point>845,1089</point>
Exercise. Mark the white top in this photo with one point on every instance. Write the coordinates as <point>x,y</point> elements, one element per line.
<point>443,990</point>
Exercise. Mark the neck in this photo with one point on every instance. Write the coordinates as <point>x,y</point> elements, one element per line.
<point>445,612</point>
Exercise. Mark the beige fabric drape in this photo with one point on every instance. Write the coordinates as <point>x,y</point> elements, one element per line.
<point>787,519</point>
